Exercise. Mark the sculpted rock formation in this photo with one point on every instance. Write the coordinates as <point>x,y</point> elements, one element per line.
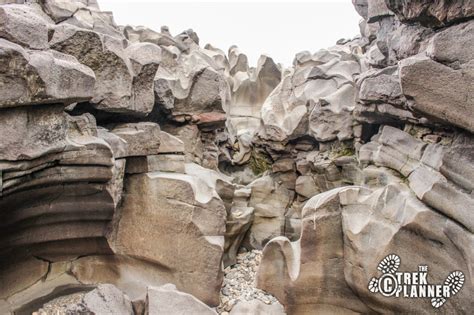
<point>296,107</point>
<point>411,196</point>
<point>329,267</point>
<point>135,165</point>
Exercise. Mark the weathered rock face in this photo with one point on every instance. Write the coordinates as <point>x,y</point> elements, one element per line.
<point>448,96</point>
<point>31,77</point>
<point>346,232</point>
<point>105,299</point>
<point>296,107</point>
<point>124,76</point>
<point>168,300</point>
<point>198,231</point>
<point>132,158</point>
<point>432,13</point>
<point>412,194</point>
<point>190,83</point>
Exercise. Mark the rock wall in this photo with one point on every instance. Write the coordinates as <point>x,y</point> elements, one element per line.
<point>134,158</point>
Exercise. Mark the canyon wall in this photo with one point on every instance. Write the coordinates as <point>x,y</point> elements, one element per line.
<point>136,165</point>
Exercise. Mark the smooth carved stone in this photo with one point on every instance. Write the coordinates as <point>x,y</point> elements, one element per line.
<point>315,98</point>
<point>433,171</point>
<point>168,300</point>
<point>299,287</point>
<point>190,84</point>
<point>249,91</point>
<point>346,232</point>
<point>238,222</point>
<point>182,224</point>
<point>34,77</point>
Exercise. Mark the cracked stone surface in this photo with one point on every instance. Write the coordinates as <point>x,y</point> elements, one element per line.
<point>143,172</point>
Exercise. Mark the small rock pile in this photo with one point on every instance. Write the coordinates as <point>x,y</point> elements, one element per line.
<point>239,283</point>
<point>62,305</point>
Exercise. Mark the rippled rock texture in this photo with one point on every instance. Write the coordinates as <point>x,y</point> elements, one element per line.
<point>135,165</point>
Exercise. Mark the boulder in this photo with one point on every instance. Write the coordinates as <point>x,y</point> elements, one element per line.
<point>439,91</point>
<point>141,139</point>
<point>17,23</point>
<point>170,207</point>
<point>31,77</point>
<point>376,10</point>
<point>123,79</point>
<point>168,300</point>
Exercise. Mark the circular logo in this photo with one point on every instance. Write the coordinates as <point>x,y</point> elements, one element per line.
<point>388,284</point>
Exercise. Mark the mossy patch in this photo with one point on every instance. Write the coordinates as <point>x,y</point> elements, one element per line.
<point>343,152</point>
<point>259,163</point>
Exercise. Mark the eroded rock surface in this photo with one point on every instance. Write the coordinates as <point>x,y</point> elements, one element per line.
<point>142,172</point>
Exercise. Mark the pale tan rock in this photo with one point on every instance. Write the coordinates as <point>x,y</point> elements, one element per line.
<point>168,300</point>
<point>170,144</point>
<point>256,307</point>
<point>171,207</point>
<point>141,138</point>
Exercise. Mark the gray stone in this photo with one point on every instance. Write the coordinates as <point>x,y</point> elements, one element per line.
<point>36,77</point>
<point>107,299</point>
<point>26,25</point>
<point>439,91</point>
<point>432,13</point>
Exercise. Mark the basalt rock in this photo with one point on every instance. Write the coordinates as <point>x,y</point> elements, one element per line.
<point>132,158</point>
<point>436,13</point>
<point>346,232</point>
<point>31,77</point>
<point>297,108</point>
